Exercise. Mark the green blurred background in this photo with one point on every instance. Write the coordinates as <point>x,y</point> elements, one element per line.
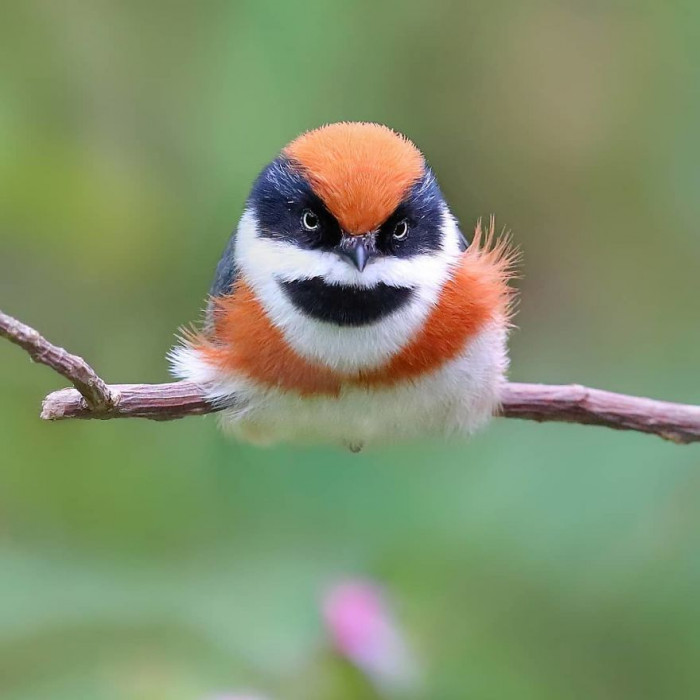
<point>145,561</point>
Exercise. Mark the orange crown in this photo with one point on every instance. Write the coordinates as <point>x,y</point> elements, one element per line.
<point>360,170</point>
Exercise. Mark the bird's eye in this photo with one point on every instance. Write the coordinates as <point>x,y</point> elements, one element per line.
<point>310,221</point>
<point>400,231</point>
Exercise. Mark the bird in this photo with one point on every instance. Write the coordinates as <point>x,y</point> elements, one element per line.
<point>348,308</point>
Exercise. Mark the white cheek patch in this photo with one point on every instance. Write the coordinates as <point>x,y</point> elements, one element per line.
<point>262,256</point>
<point>264,262</point>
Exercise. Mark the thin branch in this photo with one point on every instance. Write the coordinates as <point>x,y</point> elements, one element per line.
<point>572,403</point>
<point>154,401</point>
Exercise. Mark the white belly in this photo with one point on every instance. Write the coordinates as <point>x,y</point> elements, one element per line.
<point>458,398</point>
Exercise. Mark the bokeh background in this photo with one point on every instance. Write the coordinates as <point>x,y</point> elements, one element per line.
<point>145,561</point>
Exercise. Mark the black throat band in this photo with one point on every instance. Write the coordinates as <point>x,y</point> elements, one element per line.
<point>344,305</point>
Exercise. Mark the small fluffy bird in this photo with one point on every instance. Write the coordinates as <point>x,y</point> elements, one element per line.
<point>348,307</point>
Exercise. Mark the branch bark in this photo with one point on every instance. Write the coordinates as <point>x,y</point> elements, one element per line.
<point>92,398</point>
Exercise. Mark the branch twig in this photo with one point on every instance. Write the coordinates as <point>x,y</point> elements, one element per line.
<point>92,398</point>
<point>98,396</point>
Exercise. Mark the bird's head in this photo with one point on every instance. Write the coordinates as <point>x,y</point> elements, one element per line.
<point>348,205</point>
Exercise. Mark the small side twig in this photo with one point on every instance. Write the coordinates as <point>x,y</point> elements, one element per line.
<point>572,403</point>
<point>98,396</point>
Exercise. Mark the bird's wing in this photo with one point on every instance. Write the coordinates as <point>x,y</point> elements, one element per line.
<point>224,279</point>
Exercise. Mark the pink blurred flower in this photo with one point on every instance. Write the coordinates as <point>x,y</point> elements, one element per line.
<point>364,631</point>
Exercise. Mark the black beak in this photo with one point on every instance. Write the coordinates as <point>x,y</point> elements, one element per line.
<point>357,249</point>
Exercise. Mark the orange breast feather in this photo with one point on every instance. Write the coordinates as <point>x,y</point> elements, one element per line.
<point>246,342</point>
